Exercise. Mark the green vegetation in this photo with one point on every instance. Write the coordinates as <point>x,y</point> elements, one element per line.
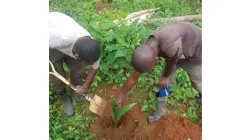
<point>64,128</point>
<point>118,43</point>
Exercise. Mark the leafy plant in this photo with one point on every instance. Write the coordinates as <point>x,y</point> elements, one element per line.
<point>171,8</point>
<point>183,88</point>
<point>64,128</point>
<point>51,95</point>
<point>117,113</point>
<point>118,43</point>
<point>149,103</point>
<point>135,5</point>
<point>191,112</point>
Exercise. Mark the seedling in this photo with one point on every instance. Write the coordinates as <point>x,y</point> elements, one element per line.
<point>117,113</point>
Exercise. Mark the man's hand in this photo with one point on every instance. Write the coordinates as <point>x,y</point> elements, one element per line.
<point>81,89</point>
<point>119,97</point>
<point>164,81</point>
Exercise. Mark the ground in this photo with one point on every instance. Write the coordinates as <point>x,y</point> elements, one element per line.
<point>133,125</point>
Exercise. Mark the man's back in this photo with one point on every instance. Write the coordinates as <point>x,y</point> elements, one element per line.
<point>63,32</point>
<point>180,38</point>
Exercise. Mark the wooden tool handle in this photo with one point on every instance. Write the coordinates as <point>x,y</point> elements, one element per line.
<point>63,80</point>
<point>60,77</point>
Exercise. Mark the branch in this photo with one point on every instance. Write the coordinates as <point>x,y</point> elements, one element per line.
<point>139,13</point>
<point>179,18</point>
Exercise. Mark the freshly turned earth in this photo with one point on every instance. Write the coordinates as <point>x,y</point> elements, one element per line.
<point>133,126</point>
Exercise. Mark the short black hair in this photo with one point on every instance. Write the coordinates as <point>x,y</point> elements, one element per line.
<point>87,49</point>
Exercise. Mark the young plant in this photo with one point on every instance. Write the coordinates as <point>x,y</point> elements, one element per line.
<point>117,113</point>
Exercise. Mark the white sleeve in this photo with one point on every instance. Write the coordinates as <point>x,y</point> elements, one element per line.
<point>96,64</point>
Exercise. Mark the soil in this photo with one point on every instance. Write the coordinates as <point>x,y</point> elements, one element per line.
<point>99,6</point>
<point>133,126</point>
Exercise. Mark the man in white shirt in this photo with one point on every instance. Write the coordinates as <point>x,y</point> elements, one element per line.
<point>71,44</point>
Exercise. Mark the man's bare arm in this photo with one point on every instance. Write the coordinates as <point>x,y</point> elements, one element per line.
<point>131,81</point>
<point>91,74</point>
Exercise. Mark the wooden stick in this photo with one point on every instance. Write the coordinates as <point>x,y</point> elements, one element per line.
<point>177,19</point>
<point>60,77</point>
<point>139,13</point>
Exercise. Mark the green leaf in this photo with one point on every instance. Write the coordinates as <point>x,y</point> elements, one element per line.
<point>182,89</point>
<point>185,85</point>
<point>94,25</point>
<point>154,106</point>
<point>115,66</point>
<point>77,137</point>
<point>150,95</point>
<point>189,93</point>
<point>124,78</point>
<point>108,38</point>
<point>114,110</point>
<point>122,110</point>
<point>104,68</point>
<point>155,89</point>
<point>106,24</point>
<point>192,102</point>
<point>175,112</point>
<point>127,74</point>
<point>98,78</point>
<point>121,71</point>
<point>194,91</point>
<point>144,108</point>
<point>121,40</point>
<point>111,47</point>
<point>66,68</point>
<point>121,53</point>
<point>95,84</point>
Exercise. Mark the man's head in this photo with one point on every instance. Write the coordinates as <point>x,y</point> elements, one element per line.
<point>143,59</point>
<point>87,49</point>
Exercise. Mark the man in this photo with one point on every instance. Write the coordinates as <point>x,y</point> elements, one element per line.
<point>71,44</point>
<point>173,42</point>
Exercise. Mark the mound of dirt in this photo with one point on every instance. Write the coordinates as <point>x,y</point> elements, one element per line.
<point>133,126</point>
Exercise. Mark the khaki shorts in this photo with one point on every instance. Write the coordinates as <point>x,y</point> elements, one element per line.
<point>194,72</point>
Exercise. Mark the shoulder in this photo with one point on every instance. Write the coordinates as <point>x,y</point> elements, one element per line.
<point>58,15</point>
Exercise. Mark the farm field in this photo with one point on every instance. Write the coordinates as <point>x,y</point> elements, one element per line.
<point>184,119</point>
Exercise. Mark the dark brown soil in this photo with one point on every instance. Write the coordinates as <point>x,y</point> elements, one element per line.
<point>133,126</point>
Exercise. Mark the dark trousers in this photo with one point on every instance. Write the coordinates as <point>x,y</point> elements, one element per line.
<point>75,66</point>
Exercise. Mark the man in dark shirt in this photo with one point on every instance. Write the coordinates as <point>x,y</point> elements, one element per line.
<point>181,45</point>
